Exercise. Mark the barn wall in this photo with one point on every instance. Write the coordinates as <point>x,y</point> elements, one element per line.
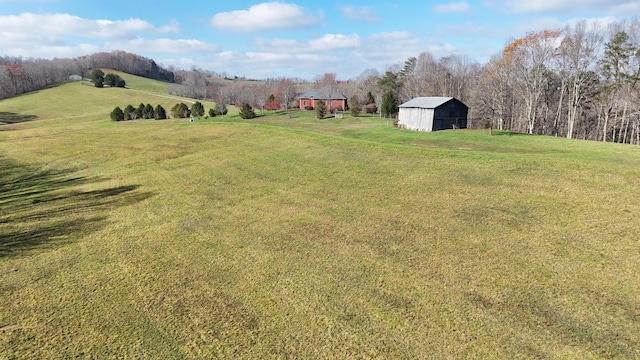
<point>452,113</point>
<point>416,119</point>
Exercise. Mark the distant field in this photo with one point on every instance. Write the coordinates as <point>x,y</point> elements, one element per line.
<point>295,237</point>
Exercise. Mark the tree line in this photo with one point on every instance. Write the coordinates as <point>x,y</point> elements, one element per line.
<point>19,75</point>
<point>179,110</point>
<point>580,81</point>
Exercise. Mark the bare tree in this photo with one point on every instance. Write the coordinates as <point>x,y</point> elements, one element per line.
<point>286,92</point>
<point>328,87</point>
<point>528,59</point>
<point>577,55</point>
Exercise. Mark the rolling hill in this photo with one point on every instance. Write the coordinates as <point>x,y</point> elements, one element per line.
<point>305,238</point>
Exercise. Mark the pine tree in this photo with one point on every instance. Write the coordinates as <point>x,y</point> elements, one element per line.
<point>148,111</point>
<point>212,112</point>
<point>180,110</point>
<point>370,98</point>
<point>117,114</point>
<point>389,104</point>
<point>110,79</point>
<point>120,82</point>
<point>129,112</point>
<point>321,109</point>
<point>246,112</point>
<point>354,106</point>
<point>97,76</point>
<point>197,109</point>
<point>140,111</point>
<point>160,113</point>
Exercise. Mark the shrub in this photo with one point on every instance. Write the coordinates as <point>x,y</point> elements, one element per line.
<point>221,109</point>
<point>246,112</point>
<point>371,108</point>
<point>117,114</point>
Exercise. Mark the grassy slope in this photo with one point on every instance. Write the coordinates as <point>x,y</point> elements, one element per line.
<point>283,237</point>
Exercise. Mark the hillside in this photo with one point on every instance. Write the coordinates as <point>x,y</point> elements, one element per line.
<point>305,238</point>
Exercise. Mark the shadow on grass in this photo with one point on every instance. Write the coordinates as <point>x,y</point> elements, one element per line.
<point>13,118</point>
<point>41,209</point>
<point>508,133</point>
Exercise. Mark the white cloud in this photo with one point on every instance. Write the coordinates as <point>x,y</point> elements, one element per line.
<point>335,41</point>
<point>387,48</point>
<point>328,42</point>
<point>265,16</point>
<point>624,7</point>
<point>65,24</point>
<point>51,51</point>
<point>163,45</point>
<point>457,7</point>
<point>361,13</point>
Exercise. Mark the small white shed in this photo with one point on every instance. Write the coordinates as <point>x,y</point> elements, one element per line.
<point>432,113</point>
<point>75,77</point>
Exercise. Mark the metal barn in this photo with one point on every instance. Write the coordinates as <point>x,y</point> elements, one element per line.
<point>433,113</point>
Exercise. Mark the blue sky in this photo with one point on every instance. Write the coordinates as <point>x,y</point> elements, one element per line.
<point>303,39</point>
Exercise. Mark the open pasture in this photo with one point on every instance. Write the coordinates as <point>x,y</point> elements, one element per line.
<point>305,238</point>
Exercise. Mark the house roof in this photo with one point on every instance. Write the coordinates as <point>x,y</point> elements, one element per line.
<point>426,102</point>
<point>317,94</point>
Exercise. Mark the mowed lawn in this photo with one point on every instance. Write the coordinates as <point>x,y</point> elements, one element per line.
<point>305,238</point>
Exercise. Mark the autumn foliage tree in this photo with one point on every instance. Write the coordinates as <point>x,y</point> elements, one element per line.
<point>526,58</point>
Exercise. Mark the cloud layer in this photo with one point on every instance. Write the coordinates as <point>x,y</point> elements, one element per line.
<point>265,16</point>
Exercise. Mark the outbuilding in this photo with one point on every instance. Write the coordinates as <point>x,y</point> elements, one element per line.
<point>433,113</point>
<point>75,77</point>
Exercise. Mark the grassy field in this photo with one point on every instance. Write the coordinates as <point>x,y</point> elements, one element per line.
<point>294,237</point>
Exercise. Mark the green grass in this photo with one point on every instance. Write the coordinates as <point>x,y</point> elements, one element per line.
<point>305,238</point>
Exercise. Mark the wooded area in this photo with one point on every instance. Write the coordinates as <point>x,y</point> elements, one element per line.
<point>577,82</point>
<point>19,76</point>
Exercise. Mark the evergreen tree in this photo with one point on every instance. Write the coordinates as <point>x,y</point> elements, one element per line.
<point>370,98</point>
<point>117,114</point>
<point>197,109</point>
<point>120,82</point>
<point>212,112</point>
<point>160,113</point>
<point>140,111</point>
<point>321,109</point>
<point>354,106</point>
<point>110,80</point>
<point>129,112</point>
<point>97,76</point>
<point>148,112</point>
<point>180,110</point>
<point>221,109</point>
<point>389,104</point>
<point>246,112</point>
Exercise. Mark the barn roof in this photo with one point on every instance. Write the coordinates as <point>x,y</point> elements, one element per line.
<point>426,102</point>
<point>317,94</point>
